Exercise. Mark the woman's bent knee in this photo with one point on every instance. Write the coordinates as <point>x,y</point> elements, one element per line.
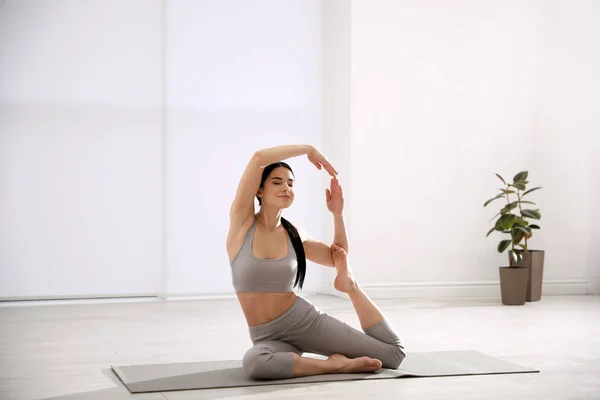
<point>260,364</point>
<point>257,367</point>
<point>255,363</point>
<point>396,356</point>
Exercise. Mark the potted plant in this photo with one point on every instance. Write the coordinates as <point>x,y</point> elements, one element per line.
<point>533,260</point>
<point>521,280</point>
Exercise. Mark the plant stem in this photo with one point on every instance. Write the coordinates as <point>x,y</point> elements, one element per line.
<point>521,210</point>
<point>512,244</point>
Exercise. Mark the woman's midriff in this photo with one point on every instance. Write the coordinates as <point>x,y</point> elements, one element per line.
<point>260,308</point>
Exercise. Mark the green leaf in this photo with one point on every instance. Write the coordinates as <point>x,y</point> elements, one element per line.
<point>507,191</point>
<point>525,202</point>
<point>521,176</point>
<point>501,178</point>
<point>534,227</point>
<point>492,199</point>
<point>515,204</point>
<point>494,217</point>
<point>505,211</point>
<point>517,235</point>
<point>518,185</point>
<point>535,214</point>
<point>509,207</point>
<point>503,245</point>
<point>490,232</point>
<point>521,222</point>
<point>531,190</point>
<point>499,226</point>
<point>516,256</point>
<point>507,221</point>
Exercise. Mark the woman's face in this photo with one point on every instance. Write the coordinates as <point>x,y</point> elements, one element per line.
<point>278,189</point>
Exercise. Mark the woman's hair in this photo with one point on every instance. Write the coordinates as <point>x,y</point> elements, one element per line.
<point>291,229</point>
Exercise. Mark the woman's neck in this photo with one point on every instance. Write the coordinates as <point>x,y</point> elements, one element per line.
<point>269,218</point>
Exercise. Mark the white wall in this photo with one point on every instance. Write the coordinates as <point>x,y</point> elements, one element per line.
<point>594,259</point>
<point>82,141</point>
<point>240,76</point>
<point>594,239</point>
<point>417,105</point>
<point>443,97</point>
<point>80,151</point>
<point>337,116</point>
<point>565,131</point>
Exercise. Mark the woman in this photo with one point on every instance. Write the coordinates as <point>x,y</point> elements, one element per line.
<point>267,253</point>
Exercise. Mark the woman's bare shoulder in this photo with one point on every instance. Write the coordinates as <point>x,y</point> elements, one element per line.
<point>236,237</point>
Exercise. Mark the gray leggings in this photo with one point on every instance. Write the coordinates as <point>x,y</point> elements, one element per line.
<point>303,328</point>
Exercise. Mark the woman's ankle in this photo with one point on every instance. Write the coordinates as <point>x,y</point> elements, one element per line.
<point>308,366</point>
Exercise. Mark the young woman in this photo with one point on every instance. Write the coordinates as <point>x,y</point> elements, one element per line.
<point>268,259</point>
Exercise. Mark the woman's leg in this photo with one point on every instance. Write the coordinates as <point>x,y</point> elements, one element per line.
<point>280,360</point>
<point>329,336</point>
<point>326,335</point>
<point>368,313</point>
<point>335,364</point>
<point>271,359</point>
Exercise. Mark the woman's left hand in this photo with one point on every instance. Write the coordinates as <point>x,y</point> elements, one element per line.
<point>335,197</point>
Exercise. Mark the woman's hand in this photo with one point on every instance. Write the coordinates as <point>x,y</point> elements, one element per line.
<point>320,161</point>
<point>335,197</point>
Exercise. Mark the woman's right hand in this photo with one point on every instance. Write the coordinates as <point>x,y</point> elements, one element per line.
<point>320,161</point>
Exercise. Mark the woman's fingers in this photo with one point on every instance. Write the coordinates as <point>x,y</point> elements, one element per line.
<point>335,185</point>
<point>335,247</point>
<point>320,161</point>
<point>314,161</point>
<point>332,171</point>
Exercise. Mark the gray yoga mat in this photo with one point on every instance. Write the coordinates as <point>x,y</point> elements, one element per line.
<point>226,374</point>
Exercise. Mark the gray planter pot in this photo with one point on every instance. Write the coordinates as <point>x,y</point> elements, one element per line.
<point>533,260</point>
<point>513,285</point>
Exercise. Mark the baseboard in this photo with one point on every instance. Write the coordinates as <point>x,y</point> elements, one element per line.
<point>219,296</point>
<point>457,289</point>
<point>594,286</point>
<point>9,301</point>
<point>121,298</point>
<point>197,296</point>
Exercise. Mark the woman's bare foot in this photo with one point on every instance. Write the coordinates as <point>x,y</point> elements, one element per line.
<point>344,281</point>
<point>345,365</point>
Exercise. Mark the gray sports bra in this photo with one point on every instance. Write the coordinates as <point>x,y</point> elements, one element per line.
<point>253,274</point>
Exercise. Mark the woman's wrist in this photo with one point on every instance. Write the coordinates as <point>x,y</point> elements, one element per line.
<point>279,153</point>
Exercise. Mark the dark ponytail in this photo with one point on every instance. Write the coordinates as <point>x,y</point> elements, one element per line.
<point>291,229</point>
<point>299,248</point>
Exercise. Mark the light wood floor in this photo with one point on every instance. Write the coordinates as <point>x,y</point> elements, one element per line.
<point>64,350</point>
